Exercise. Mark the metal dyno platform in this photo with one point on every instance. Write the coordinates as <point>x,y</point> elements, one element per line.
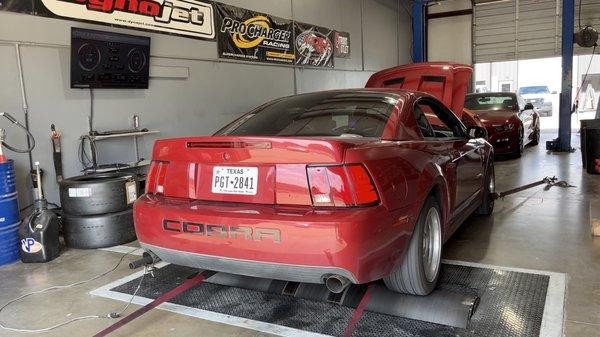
<point>471,300</point>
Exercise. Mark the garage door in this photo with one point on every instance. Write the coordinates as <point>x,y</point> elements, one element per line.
<point>524,29</point>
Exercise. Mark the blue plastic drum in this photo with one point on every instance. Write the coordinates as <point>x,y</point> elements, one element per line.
<point>9,214</point>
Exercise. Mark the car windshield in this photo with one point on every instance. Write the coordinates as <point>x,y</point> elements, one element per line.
<point>541,89</point>
<point>346,114</point>
<point>490,102</point>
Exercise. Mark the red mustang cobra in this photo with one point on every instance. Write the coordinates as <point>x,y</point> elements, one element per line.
<point>334,187</point>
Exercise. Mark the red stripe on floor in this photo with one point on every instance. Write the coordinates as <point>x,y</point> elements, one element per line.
<point>162,299</point>
<point>358,312</point>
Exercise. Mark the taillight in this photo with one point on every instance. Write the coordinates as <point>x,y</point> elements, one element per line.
<point>155,182</point>
<point>341,186</point>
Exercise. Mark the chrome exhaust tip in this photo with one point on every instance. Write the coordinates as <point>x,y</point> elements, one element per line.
<point>336,283</point>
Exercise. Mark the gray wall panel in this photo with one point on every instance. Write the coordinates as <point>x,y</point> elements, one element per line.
<point>381,41</point>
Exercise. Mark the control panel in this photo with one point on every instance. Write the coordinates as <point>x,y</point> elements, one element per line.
<point>109,60</point>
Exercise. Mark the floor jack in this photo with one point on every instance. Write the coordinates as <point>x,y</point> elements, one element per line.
<point>549,181</point>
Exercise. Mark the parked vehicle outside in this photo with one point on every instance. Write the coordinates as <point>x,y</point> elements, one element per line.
<point>334,187</point>
<point>511,122</point>
<point>540,96</point>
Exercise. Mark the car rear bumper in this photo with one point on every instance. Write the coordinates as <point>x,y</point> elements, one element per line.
<point>288,243</point>
<point>290,272</point>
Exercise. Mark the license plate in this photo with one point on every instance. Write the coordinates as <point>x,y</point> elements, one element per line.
<point>235,180</point>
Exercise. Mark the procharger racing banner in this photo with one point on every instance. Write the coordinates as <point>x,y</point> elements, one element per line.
<point>190,18</point>
<point>252,36</point>
<point>314,45</point>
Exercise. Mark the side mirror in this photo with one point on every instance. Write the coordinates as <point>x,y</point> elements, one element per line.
<point>528,106</point>
<point>554,92</point>
<point>476,132</point>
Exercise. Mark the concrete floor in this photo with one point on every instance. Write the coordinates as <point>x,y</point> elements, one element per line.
<point>533,229</point>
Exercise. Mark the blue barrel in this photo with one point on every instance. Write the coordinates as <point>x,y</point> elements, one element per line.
<point>9,214</point>
<point>9,244</point>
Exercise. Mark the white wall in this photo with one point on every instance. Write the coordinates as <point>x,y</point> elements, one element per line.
<point>449,39</point>
<point>215,93</point>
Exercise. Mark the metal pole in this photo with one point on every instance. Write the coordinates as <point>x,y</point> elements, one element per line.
<point>564,118</point>
<point>418,28</point>
<point>24,100</point>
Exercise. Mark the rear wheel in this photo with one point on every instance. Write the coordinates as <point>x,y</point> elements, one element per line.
<point>487,204</point>
<point>519,151</point>
<point>536,137</point>
<point>419,272</point>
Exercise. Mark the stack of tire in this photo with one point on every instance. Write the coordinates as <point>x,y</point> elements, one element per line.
<point>98,209</point>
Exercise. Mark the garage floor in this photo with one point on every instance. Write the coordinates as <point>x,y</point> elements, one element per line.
<point>533,229</point>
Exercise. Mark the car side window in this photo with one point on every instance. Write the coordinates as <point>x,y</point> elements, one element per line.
<point>444,123</point>
<point>426,129</point>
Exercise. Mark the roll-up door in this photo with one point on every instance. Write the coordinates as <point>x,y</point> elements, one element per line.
<point>507,30</point>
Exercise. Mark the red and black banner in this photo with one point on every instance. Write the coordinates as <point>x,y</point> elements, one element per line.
<point>314,45</point>
<point>189,18</point>
<point>252,36</point>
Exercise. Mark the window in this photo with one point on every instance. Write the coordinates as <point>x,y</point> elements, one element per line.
<point>492,101</point>
<point>441,121</point>
<point>334,113</point>
<point>426,129</point>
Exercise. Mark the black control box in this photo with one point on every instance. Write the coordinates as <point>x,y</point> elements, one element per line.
<point>109,60</point>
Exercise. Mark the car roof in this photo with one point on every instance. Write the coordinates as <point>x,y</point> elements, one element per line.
<point>390,91</point>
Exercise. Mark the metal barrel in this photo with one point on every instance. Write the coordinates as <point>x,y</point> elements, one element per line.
<point>9,214</point>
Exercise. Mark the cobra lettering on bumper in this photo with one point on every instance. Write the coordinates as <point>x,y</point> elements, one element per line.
<point>222,231</point>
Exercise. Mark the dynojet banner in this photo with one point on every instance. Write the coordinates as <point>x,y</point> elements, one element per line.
<point>313,44</point>
<point>252,36</point>
<point>190,18</point>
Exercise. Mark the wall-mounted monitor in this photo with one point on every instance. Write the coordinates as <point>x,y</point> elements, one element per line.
<point>109,60</point>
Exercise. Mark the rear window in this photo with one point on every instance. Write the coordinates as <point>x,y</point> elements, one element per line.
<point>490,102</point>
<point>355,114</point>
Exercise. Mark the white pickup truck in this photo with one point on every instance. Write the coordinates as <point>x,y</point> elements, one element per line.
<point>540,96</point>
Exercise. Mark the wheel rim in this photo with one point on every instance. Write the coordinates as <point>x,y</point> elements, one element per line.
<point>432,244</point>
<point>521,142</point>
<point>492,184</point>
<point>492,187</point>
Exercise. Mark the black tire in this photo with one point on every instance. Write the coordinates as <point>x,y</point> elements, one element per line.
<point>98,193</point>
<point>536,137</point>
<point>487,204</point>
<point>519,151</point>
<point>409,277</point>
<point>98,231</point>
